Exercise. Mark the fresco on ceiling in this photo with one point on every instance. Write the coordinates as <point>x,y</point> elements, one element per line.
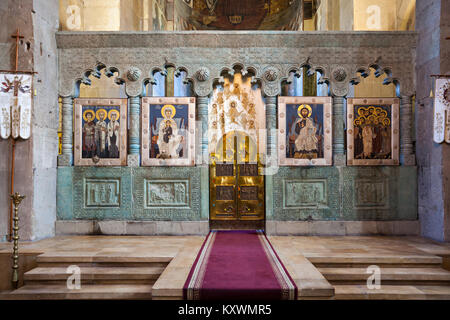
<point>238,14</point>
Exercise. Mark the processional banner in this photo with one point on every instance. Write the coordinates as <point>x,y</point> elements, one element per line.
<point>441,126</point>
<point>15,105</point>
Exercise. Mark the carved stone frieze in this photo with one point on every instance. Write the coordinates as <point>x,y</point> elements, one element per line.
<point>166,193</point>
<point>270,57</point>
<point>305,193</point>
<point>102,193</point>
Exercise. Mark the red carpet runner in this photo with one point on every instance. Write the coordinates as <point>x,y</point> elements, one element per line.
<point>238,265</point>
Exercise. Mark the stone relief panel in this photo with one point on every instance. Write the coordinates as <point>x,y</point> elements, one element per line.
<point>301,193</point>
<point>378,193</point>
<point>166,193</point>
<point>305,194</point>
<point>102,193</point>
<point>350,193</point>
<point>371,194</point>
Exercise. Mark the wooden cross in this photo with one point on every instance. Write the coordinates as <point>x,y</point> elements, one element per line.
<point>18,37</point>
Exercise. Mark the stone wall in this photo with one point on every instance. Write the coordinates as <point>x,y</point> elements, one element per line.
<point>124,193</point>
<point>345,193</point>
<point>35,172</point>
<point>45,124</point>
<point>381,194</point>
<point>432,24</point>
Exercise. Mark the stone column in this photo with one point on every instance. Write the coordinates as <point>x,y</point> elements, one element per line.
<point>134,145</point>
<point>66,158</point>
<point>271,125</point>
<point>202,117</point>
<point>407,156</point>
<point>271,152</point>
<point>203,160</point>
<point>338,131</point>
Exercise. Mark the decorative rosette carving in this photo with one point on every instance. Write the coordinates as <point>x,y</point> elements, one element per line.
<point>202,74</point>
<point>339,74</point>
<point>133,74</point>
<point>271,74</point>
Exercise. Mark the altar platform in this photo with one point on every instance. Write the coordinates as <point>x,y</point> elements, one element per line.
<point>156,267</point>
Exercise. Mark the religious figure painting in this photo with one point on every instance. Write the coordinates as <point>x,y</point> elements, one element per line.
<point>236,108</point>
<point>100,132</point>
<point>15,105</point>
<point>304,136</point>
<point>373,131</point>
<point>168,131</point>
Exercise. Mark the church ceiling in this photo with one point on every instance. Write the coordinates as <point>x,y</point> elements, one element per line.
<point>238,14</point>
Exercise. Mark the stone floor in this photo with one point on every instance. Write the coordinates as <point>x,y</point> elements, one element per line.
<point>322,267</point>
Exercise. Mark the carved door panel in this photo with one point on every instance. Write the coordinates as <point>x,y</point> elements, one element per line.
<point>236,187</point>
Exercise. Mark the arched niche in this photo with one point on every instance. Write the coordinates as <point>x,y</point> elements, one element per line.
<point>304,82</point>
<point>162,79</point>
<point>101,84</point>
<point>372,84</point>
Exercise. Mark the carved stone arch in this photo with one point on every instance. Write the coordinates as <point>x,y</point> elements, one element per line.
<point>387,70</point>
<point>204,77</point>
<point>289,72</point>
<point>244,69</point>
<point>294,70</point>
<point>402,86</point>
<point>268,76</point>
<point>360,72</point>
<point>150,79</point>
<point>74,89</point>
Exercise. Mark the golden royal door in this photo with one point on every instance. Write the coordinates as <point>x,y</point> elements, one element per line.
<point>236,183</point>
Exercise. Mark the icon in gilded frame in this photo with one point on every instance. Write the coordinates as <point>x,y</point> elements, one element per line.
<point>305,129</point>
<point>373,131</point>
<point>168,131</point>
<point>100,132</point>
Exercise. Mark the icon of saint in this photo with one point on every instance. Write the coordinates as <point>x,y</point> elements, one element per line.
<point>100,134</point>
<point>368,135</point>
<point>89,145</point>
<point>233,113</point>
<point>113,134</point>
<point>306,142</point>
<point>168,138</point>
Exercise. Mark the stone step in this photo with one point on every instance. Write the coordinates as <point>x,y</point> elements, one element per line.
<point>96,274</point>
<point>351,260</point>
<point>391,292</point>
<point>87,257</point>
<point>102,264</point>
<point>95,291</point>
<point>388,275</point>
